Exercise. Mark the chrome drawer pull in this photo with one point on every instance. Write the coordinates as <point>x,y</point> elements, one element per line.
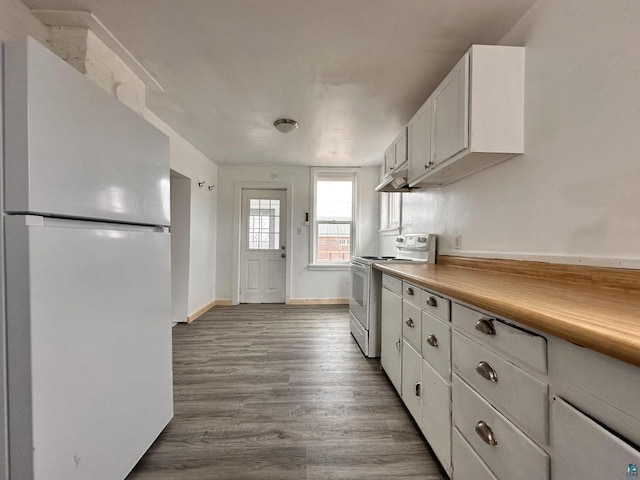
<point>486,434</point>
<point>485,370</point>
<point>485,325</point>
<point>432,340</point>
<point>409,291</point>
<point>418,388</point>
<point>432,302</point>
<point>409,322</point>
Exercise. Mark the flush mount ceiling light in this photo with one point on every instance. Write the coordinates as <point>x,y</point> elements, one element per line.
<point>285,125</point>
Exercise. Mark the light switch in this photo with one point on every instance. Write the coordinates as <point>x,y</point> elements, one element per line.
<point>299,231</point>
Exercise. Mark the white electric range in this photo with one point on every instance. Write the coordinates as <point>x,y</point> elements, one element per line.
<point>366,284</point>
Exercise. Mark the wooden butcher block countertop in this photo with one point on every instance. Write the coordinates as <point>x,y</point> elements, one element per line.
<point>597,308</point>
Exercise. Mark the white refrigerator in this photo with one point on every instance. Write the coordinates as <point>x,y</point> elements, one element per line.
<point>86,273</point>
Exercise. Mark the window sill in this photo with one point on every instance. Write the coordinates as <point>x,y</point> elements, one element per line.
<point>320,266</point>
<point>389,231</point>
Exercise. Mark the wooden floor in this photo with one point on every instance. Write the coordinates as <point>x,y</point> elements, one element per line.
<point>282,392</point>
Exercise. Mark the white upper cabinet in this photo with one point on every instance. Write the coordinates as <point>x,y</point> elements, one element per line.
<point>451,113</point>
<point>419,133</point>
<point>474,119</point>
<point>396,154</point>
<point>389,159</point>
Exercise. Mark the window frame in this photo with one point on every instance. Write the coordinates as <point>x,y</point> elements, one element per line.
<point>387,211</point>
<point>341,174</point>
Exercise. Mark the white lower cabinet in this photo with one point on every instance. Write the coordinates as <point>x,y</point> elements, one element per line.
<point>506,450</point>
<point>412,380</point>
<point>508,387</point>
<point>391,337</point>
<point>436,414</point>
<point>468,465</point>
<point>502,413</point>
<point>585,450</point>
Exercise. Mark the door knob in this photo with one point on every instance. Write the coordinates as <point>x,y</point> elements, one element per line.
<point>283,255</point>
<point>282,247</point>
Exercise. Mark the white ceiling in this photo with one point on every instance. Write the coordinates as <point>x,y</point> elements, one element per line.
<point>351,72</point>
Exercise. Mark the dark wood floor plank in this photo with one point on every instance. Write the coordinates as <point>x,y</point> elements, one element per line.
<point>282,392</point>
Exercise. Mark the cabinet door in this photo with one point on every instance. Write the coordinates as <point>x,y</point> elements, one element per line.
<point>420,142</point>
<point>586,450</point>
<point>389,158</point>
<point>451,113</point>
<point>412,380</point>
<point>436,414</point>
<point>391,342</point>
<point>401,148</point>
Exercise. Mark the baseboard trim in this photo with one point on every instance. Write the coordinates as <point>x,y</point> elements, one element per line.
<point>319,301</point>
<point>201,311</point>
<point>223,302</point>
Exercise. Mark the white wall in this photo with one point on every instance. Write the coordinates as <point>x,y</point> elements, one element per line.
<point>574,195</point>
<point>306,284</point>
<point>190,162</point>
<point>180,244</point>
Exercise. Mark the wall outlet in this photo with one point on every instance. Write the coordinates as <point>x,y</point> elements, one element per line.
<point>457,241</point>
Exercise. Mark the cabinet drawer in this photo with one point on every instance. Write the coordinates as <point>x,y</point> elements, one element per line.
<point>436,345</point>
<point>514,456</point>
<point>411,293</point>
<point>586,450</point>
<point>392,283</point>
<point>435,305</point>
<point>469,466</point>
<point>411,324</point>
<point>523,345</point>
<point>411,380</point>
<point>513,392</point>
<point>436,414</point>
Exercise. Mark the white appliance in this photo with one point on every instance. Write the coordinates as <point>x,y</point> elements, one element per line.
<point>86,274</point>
<point>366,284</point>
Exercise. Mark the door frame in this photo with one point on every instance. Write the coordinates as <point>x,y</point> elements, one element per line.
<point>238,187</point>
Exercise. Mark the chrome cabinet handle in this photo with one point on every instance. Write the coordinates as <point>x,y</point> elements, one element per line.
<point>485,325</point>
<point>485,370</point>
<point>486,434</point>
<point>409,322</point>
<point>409,291</point>
<point>432,340</point>
<point>418,389</point>
<point>398,344</point>
<point>432,302</point>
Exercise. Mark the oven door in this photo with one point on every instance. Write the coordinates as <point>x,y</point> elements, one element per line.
<point>359,302</point>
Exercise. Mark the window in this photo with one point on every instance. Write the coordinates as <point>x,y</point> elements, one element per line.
<point>264,224</point>
<point>332,227</point>
<point>390,211</point>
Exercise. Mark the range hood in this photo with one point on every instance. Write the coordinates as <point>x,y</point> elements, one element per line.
<point>396,180</point>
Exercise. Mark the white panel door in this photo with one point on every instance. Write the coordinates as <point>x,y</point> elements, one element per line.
<point>420,142</point>
<point>436,414</point>
<point>89,349</point>
<point>264,248</point>
<point>451,113</point>
<point>412,380</point>
<point>391,337</point>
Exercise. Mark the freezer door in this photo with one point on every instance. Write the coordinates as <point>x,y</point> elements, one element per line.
<point>89,346</point>
<point>73,150</point>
